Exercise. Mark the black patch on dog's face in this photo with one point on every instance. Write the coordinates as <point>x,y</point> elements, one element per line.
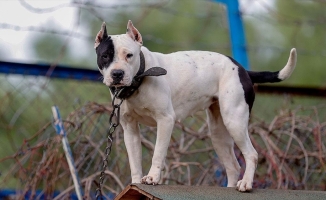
<point>246,84</point>
<point>105,53</point>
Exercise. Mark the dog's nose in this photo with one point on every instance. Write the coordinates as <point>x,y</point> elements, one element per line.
<point>117,74</point>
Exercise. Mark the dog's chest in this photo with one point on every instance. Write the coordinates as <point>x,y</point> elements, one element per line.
<point>141,114</point>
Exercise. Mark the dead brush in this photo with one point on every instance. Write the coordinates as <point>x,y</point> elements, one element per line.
<point>291,154</point>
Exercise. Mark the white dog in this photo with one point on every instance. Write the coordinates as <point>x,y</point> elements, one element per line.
<point>195,80</point>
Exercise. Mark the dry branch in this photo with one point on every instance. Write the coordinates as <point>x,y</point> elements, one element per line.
<point>291,154</point>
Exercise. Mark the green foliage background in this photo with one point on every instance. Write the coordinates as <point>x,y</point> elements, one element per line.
<point>202,25</point>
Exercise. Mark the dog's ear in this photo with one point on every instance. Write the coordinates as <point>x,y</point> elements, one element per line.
<point>134,33</point>
<point>101,35</point>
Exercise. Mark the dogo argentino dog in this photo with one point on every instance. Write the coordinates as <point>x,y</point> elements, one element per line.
<point>160,89</point>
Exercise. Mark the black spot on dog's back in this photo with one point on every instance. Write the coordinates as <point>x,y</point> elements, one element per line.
<point>264,77</point>
<point>246,84</point>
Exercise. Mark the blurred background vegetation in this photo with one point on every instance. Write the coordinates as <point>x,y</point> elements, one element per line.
<point>272,28</point>
<point>168,26</point>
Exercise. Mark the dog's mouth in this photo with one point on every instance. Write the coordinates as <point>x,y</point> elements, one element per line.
<point>118,83</point>
<point>114,84</point>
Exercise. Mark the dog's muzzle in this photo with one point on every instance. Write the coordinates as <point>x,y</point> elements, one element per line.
<point>117,76</point>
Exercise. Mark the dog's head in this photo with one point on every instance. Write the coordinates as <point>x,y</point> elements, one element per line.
<point>118,55</point>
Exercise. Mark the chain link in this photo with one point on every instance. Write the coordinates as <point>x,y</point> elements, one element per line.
<point>113,126</point>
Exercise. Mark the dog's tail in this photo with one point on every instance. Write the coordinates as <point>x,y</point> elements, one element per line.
<point>272,77</point>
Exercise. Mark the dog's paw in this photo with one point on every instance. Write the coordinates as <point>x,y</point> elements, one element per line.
<point>149,180</point>
<point>244,186</point>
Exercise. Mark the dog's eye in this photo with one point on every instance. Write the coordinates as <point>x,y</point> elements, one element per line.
<point>104,56</point>
<point>129,55</point>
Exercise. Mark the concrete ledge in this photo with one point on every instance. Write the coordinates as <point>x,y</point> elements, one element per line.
<point>178,192</point>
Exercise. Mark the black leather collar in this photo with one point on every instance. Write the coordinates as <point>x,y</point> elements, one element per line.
<point>127,91</point>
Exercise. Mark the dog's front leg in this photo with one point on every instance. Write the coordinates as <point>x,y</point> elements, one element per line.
<point>133,145</point>
<point>164,130</point>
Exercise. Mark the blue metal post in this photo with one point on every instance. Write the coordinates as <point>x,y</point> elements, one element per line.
<point>237,34</point>
<point>71,163</point>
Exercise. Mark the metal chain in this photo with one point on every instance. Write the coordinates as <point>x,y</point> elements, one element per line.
<point>113,126</point>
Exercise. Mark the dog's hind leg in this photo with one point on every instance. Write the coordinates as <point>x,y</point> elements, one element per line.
<point>223,144</point>
<point>235,114</point>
